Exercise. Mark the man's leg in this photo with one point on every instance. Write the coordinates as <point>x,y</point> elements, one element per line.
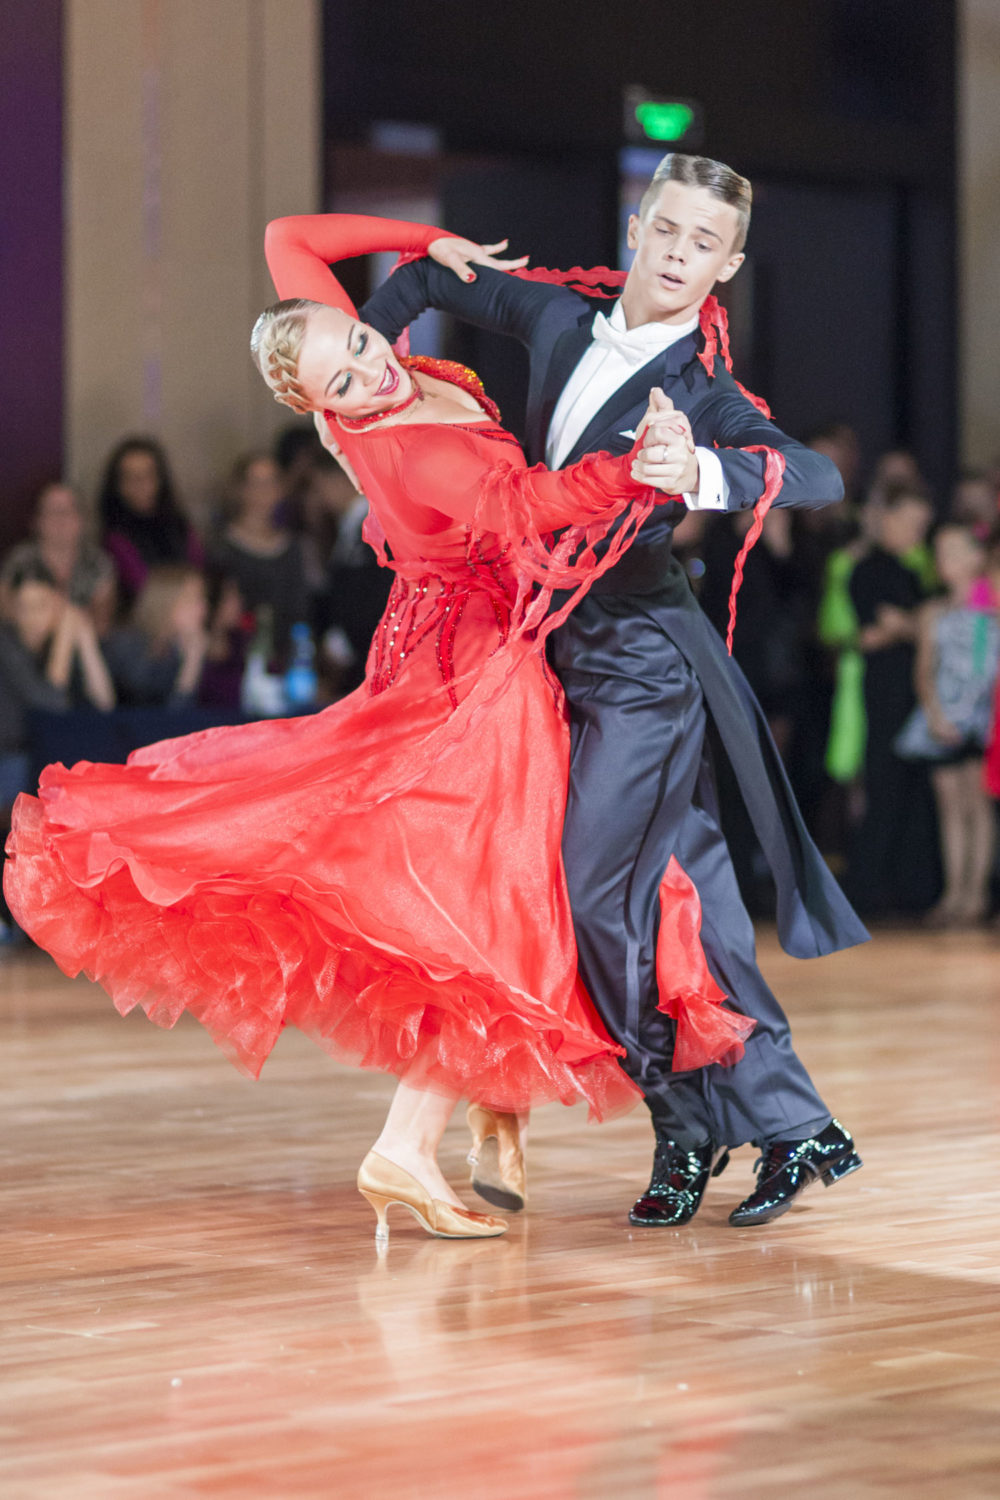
<point>641,789</point>
<point>768,1095</point>
<point>634,767</point>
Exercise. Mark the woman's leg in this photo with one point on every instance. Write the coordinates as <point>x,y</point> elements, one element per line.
<point>411,1135</point>
<point>981,841</point>
<point>949,793</point>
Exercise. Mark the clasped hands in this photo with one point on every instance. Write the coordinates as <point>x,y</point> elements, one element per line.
<point>667,460</point>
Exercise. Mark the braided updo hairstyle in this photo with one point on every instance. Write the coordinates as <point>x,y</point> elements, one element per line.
<point>276,344</point>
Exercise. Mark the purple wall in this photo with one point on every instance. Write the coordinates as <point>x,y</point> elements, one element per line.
<point>31,290</point>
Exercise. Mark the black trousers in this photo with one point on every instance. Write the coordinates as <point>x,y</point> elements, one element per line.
<point>641,789</point>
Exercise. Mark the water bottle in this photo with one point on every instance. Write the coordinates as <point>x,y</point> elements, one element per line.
<point>300,680</point>
<point>262,692</point>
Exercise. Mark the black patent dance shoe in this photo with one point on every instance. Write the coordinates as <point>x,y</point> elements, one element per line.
<point>677,1186</point>
<point>788,1167</point>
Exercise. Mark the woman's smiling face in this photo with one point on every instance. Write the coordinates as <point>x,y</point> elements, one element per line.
<point>348,368</point>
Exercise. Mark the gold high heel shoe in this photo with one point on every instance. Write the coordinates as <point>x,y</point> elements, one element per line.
<point>496,1158</point>
<point>383,1183</point>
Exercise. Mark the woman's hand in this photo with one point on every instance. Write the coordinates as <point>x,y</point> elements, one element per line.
<point>667,460</point>
<point>97,683</point>
<point>460,256</point>
<point>943,730</point>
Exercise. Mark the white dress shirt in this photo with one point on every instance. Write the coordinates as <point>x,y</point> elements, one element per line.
<point>616,353</point>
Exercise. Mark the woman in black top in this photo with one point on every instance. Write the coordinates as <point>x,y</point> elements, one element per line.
<point>262,557</point>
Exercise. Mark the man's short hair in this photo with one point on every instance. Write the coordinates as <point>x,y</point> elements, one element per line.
<point>906,492</point>
<point>701,171</point>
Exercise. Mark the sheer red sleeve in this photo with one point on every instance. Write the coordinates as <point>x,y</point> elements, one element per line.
<point>299,250</point>
<point>508,499</point>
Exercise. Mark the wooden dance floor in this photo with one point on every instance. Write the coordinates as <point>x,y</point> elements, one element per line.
<point>193,1305</point>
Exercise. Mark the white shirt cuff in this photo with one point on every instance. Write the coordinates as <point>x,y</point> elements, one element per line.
<point>713,491</point>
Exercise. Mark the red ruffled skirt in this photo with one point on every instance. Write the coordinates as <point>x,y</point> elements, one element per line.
<point>384,875</point>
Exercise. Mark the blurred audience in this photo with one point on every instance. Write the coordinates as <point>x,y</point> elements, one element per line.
<point>81,571</point>
<point>297,449</point>
<point>773,611</point>
<point>260,554</point>
<point>895,470</point>
<point>158,658</point>
<point>958,651</point>
<point>229,631</point>
<point>356,587</point>
<point>143,525</point>
<point>992,769</point>
<point>327,497</point>
<point>871,692</point>
<point>975,503</point>
<point>50,659</point>
<point>889,870</point>
<point>839,442</point>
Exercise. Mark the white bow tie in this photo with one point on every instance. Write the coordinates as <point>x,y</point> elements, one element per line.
<point>635,348</point>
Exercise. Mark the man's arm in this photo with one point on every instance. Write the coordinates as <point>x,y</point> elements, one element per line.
<point>495,300</point>
<point>730,419</point>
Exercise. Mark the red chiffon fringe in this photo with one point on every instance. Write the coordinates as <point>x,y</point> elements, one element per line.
<point>707,1032</point>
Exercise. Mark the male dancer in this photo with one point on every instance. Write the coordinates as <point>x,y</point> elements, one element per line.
<point>645,674</point>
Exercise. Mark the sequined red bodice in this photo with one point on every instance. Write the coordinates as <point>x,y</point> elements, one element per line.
<point>456,374</point>
<point>426,612</point>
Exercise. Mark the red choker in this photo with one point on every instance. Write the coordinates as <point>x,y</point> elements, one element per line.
<point>358,424</point>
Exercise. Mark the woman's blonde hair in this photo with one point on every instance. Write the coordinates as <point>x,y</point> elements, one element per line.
<point>156,599</point>
<point>276,344</point>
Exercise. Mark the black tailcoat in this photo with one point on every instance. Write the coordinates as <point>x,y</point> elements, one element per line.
<point>648,588</point>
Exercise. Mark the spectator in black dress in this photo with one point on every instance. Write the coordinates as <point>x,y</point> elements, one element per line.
<point>772,612</point>
<point>893,866</point>
<point>262,556</point>
<point>143,526</point>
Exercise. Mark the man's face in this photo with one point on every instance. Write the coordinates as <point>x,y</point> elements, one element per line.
<point>905,525</point>
<point>683,245</point>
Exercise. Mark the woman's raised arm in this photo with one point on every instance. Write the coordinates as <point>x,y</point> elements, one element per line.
<point>299,250</point>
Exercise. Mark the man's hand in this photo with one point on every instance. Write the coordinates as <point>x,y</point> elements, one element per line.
<point>667,460</point>
<point>460,256</point>
<point>898,624</point>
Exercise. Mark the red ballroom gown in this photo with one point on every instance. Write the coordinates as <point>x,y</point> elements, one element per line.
<point>385,874</point>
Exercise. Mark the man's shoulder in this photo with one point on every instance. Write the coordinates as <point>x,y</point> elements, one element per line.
<point>720,383</point>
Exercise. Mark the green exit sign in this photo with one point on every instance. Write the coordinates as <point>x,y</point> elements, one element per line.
<point>664,122</point>
<point>652,117</point>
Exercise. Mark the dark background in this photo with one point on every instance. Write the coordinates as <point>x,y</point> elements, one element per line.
<point>841,112</point>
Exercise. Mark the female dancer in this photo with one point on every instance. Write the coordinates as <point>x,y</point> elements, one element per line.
<point>384,875</point>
